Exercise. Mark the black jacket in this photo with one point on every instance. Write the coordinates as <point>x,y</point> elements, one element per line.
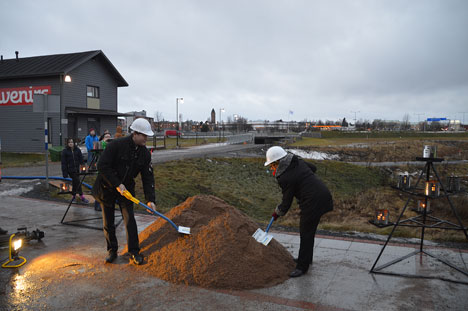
<point>120,163</point>
<point>298,180</point>
<point>71,160</point>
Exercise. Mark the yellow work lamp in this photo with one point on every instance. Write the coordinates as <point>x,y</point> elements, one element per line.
<point>14,247</point>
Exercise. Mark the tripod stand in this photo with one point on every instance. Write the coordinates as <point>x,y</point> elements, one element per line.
<point>424,221</point>
<point>92,169</point>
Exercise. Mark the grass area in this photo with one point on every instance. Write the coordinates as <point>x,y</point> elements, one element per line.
<point>14,159</point>
<point>406,134</point>
<point>171,143</point>
<point>247,184</point>
<point>338,141</point>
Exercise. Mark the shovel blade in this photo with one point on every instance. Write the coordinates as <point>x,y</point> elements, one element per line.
<point>262,237</point>
<point>184,230</point>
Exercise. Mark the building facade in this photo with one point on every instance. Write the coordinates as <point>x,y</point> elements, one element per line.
<point>86,84</point>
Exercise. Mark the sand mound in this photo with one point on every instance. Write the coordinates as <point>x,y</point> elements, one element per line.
<point>219,253</point>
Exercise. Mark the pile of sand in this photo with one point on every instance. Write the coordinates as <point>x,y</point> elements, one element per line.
<point>219,253</point>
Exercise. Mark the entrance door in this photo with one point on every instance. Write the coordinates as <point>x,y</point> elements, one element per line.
<point>72,128</point>
<point>94,123</point>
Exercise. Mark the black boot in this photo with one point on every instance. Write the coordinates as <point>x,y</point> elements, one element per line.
<point>3,231</point>
<point>111,257</point>
<point>137,259</point>
<point>296,273</point>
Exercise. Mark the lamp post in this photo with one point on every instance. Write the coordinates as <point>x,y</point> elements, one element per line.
<point>220,120</point>
<point>355,112</point>
<point>63,78</point>
<point>181,100</point>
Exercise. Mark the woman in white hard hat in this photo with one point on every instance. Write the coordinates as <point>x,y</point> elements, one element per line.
<point>296,178</point>
<point>122,160</point>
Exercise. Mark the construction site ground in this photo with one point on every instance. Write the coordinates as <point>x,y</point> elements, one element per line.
<point>66,271</point>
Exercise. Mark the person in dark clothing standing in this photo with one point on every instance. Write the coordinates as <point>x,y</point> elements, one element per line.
<point>296,178</point>
<point>72,158</point>
<point>121,161</point>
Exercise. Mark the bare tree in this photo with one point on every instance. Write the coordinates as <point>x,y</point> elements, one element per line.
<point>405,124</point>
<point>158,120</point>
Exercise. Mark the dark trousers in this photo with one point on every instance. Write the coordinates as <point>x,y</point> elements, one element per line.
<point>308,228</point>
<point>76,185</point>
<point>108,224</point>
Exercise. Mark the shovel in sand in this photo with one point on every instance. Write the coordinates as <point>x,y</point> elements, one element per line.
<point>129,196</point>
<point>263,236</point>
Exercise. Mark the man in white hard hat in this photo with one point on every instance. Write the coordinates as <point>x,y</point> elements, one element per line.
<point>296,178</point>
<point>122,160</point>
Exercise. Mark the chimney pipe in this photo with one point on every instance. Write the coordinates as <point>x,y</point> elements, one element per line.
<point>16,52</point>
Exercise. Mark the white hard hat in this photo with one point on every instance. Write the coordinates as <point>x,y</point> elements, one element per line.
<point>274,154</point>
<point>142,125</point>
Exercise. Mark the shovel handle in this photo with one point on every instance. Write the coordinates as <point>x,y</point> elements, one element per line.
<point>130,197</point>
<point>159,214</point>
<point>269,225</point>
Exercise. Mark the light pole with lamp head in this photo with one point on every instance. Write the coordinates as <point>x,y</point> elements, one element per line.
<point>63,78</point>
<point>181,100</point>
<point>220,120</point>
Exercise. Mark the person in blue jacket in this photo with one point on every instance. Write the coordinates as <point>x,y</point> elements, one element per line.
<point>89,141</point>
<point>71,160</point>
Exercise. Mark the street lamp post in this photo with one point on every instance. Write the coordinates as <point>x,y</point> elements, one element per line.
<point>355,112</point>
<point>181,100</point>
<point>220,120</point>
<point>66,78</point>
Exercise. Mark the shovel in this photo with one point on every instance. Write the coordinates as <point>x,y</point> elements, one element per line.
<point>129,196</point>
<point>262,236</point>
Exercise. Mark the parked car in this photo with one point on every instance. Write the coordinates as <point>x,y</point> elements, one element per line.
<point>83,149</point>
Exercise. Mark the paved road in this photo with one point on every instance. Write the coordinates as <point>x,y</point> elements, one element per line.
<point>220,150</point>
<point>66,272</point>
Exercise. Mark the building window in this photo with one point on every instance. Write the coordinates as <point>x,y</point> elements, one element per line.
<point>92,91</point>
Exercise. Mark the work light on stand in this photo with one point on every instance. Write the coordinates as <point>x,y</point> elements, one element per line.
<point>13,253</point>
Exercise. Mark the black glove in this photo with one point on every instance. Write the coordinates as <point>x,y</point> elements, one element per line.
<point>275,216</point>
<point>65,175</point>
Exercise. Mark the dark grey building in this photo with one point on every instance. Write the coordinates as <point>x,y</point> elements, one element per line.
<point>86,84</point>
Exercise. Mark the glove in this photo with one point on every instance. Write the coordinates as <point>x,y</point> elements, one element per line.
<point>152,206</point>
<point>65,175</point>
<point>275,216</point>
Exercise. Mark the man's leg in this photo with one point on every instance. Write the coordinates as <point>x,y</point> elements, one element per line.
<point>130,226</point>
<point>132,232</point>
<point>108,226</point>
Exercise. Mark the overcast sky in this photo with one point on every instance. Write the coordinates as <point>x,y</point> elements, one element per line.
<point>262,59</point>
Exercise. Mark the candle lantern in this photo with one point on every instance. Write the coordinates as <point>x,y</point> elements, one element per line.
<point>92,167</point>
<point>423,205</point>
<point>83,168</point>
<point>453,183</point>
<point>432,188</point>
<point>404,181</point>
<point>381,216</point>
<point>64,187</point>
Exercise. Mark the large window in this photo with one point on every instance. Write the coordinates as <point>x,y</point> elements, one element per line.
<point>92,91</point>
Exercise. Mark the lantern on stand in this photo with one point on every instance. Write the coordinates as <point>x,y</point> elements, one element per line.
<point>432,188</point>
<point>92,167</point>
<point>65,187</point>
<point>381,217</point>
<point>453,183</point>
<point>423,205</point>
<point>404,181</point>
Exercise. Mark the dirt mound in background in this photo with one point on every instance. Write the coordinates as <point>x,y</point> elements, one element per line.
<point>219,253</point>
